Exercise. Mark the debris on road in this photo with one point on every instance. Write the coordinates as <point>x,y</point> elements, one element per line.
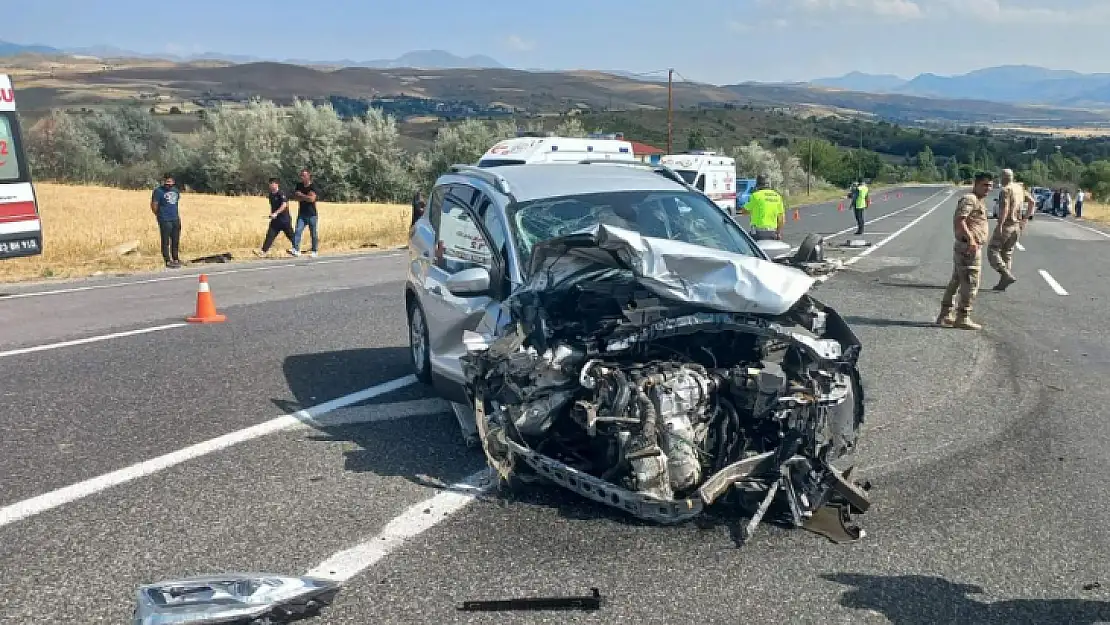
<point>236,598</point>
<point>588,602</point>
<point>659,378</point>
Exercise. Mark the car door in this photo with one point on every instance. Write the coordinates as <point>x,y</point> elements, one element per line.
<point>461,244</point>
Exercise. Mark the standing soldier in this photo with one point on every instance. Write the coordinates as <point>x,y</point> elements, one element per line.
<point>862,201</point>
<point>971,230</point>
<point>1012,202</point>
<point>766,211</point>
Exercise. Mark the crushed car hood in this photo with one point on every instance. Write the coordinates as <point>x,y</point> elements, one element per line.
<point>674,270</point>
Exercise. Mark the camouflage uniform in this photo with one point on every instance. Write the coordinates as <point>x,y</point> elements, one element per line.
<point>966,266</point>
<point>1000,251</point>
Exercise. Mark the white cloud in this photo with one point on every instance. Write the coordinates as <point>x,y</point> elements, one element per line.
<point>896,9</point>
<point>520,44</point>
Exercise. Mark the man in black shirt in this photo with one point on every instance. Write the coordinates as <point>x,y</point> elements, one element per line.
<point>280,222</point>
<point>305,193</point>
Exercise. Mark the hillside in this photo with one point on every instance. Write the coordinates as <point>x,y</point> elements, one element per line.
<point>1012,84</point>
<point>60,85</point>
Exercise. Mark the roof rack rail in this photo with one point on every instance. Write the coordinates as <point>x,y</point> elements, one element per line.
<point>491,178</point>
<point>662,170</point>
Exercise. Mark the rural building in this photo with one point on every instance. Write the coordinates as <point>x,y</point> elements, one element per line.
<point>646,153</point>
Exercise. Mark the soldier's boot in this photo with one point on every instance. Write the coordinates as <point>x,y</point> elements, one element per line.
<point>946,318</point>
<point>964,322</point>
<point>1004,282</point>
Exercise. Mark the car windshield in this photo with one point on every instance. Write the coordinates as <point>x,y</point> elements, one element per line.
<point>676,215</point>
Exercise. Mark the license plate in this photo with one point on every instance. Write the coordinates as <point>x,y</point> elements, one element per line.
<point>19,246</point>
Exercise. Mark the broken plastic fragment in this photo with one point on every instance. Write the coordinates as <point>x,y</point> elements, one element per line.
<point>232,598</point>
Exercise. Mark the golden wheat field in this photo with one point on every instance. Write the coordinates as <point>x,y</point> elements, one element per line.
<point>83,224</point>
<point>1095,211</point>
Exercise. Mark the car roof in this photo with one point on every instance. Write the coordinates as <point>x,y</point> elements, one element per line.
<point>544,180</point>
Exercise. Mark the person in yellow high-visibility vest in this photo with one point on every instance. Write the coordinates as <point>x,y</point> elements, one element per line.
<point>860,201</point>
<point>766,210</point>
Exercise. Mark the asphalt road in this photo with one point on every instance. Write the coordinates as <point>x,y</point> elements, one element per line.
<point>161,454</point>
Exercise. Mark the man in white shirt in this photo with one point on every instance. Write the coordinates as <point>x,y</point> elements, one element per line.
<point>1079,203</point>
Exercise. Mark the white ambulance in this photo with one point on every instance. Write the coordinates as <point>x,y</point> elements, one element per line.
<point>712,174</point>
<point>529,150</point>
<point>20,228</point>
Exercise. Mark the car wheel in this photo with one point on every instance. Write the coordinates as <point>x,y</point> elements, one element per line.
<point>418,344</point>
<point>811,250</point>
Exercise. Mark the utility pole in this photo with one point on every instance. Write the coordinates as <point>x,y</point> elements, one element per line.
<point>670,110</point>
<point>860,162</point>
<point>809,170</point>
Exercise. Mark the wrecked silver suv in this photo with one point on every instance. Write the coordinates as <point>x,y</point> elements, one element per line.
<point>647,355</point>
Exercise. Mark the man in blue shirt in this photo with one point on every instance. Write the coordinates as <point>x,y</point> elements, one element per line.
<point>163,203</point>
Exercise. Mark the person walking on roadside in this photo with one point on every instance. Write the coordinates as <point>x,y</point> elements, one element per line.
<point>1056,202</point>
<point>280,222</point>
<point>164,204</point>
<point>860,203</point>
<point>1065,202</point>
<point>306,195</point>
<point>971,230</point>
<point>766,210</point>
<point>1013,200</point>
<point>1079,197</point>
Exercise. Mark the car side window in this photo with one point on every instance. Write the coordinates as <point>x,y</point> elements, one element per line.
<point>460,243</point>
<point>700,184</point>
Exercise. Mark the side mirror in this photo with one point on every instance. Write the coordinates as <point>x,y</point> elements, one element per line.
<point>473,282</point>
<point>774,249</point>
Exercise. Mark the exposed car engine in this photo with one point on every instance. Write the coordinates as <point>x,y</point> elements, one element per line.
<point>660,405</point>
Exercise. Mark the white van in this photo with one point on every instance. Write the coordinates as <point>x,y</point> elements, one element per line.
<point>20,228</point>
<point>530,150</point>
<point>712,174</point>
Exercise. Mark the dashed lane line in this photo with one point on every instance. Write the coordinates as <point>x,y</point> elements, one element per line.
<point>1052,283</point>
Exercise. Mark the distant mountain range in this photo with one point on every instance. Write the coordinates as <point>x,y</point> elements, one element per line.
<point>423,59</point>
<point>1012,84</point>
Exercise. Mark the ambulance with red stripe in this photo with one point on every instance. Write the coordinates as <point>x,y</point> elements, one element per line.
<point>711,173</point>
<point>20,228</point>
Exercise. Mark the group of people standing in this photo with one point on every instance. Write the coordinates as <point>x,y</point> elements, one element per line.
<point>165,204</point>
<point>972,231</point>
<point>1062,202</point>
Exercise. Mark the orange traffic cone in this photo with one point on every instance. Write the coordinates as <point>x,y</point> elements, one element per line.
<point>840,207</point>
<point>797,216</point>
<point>206,306</point>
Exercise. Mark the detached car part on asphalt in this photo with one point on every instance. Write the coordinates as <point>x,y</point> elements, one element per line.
<point>654,376</point>
<point>625,339</point>
<point>235,598</point>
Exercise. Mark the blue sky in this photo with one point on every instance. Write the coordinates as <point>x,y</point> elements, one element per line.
<point>720,41</point>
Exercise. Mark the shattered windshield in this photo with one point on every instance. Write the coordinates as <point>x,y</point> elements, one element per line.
<point>675,215</point>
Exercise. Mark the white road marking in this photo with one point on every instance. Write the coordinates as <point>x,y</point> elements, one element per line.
<point>91,339</point>
<point>888,215</point>
<point>880,244</point>
<point>415,520</point>
<point>193,276</point>
<point>1020,247</point>
<point>310,416</point>
<point>1052,282</point>
<point>1087,228</point>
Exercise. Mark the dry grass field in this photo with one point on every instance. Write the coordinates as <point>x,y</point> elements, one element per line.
<point>1067,133</point>
<point>82,225</point>
<point>1095,211</point>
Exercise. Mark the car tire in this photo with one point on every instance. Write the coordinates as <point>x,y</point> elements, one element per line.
<point>811,250</point>
<point>418,343</point>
